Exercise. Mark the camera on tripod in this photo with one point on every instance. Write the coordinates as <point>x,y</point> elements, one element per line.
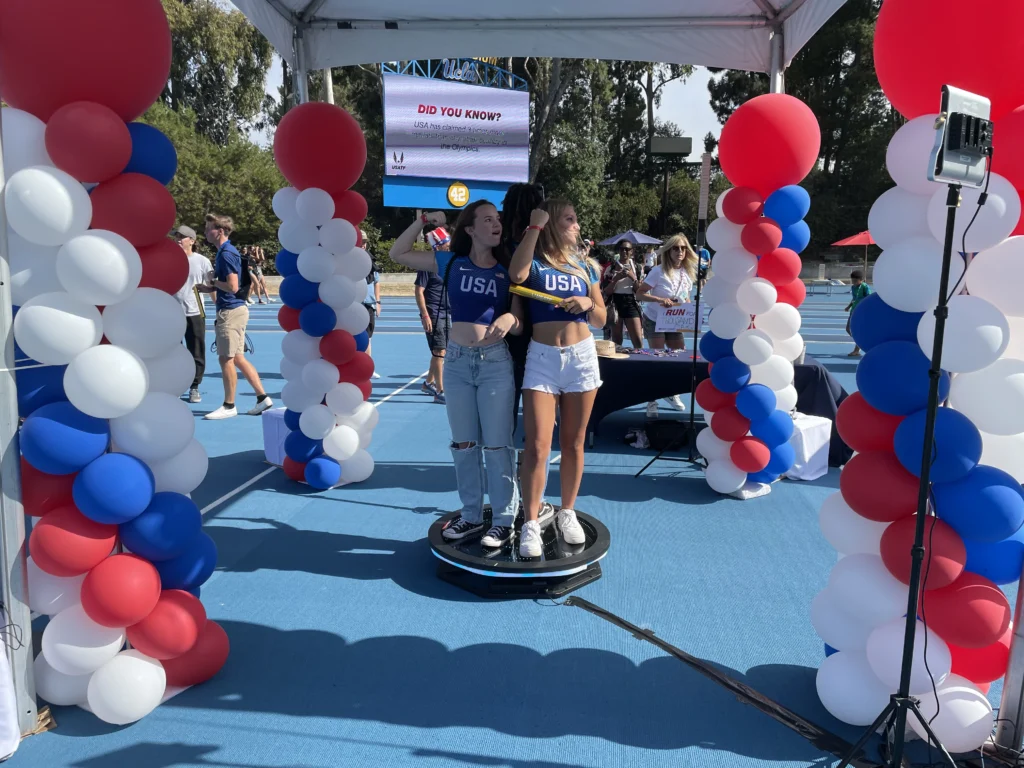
<point>963,139</point>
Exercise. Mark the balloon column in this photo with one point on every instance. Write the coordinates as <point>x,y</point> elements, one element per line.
<point>108,453</point>
<point>768,146</point>
<point>975,541</point>
<point>320,149</point>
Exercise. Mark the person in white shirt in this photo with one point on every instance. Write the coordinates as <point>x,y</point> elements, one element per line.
<point>200,277</point>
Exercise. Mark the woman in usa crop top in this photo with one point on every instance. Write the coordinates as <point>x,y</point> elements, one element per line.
<point>561,366</point>
<point>479,385</point>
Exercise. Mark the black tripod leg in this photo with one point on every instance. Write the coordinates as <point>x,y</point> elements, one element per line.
<point>947,758</point>
<point>856,749</point>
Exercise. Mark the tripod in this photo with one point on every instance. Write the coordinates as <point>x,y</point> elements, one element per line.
<point>902,703</point>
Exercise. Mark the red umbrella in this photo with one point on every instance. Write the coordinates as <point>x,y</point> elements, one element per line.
<point>862,238</point>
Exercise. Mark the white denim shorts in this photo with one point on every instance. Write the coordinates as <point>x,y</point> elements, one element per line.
<point>557,370</point>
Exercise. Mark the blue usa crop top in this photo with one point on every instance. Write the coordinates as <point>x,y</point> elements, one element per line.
<point>475,295</point>
<point>546,279</point>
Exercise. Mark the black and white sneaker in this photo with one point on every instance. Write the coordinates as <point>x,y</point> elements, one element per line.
<point>546,514</point>
<point>462,529</point>
<point>497,537</point>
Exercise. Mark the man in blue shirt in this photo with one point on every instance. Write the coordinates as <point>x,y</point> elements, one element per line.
<point>232,317</point>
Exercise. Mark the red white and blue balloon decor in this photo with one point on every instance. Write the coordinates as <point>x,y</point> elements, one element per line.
<point>107,445</point>
<point>321,151</point>
<point>974,538</point>
<point>755,291</point>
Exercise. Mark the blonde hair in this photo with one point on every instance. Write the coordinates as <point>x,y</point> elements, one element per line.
<point>690,258</point>
<point>223,222</point>
<point>553,250</point>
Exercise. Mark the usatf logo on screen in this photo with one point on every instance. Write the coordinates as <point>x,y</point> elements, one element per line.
<point>399,164</point>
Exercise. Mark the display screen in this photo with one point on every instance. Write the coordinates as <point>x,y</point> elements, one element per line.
<point>444,130</point>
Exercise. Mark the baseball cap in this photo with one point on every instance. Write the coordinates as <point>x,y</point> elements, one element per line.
<point>184,231</point>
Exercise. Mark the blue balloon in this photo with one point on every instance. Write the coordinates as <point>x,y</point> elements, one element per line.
<point>58,439</point>
<point>782,458</point>
<point>196,592</point>
<point>362,341</point>
<point>191,569</point>
<point>730,374</point>
<point>787,205</point>
<point>987,505</point>
<point>765,476</point>
<point>286,263</point>
<point>302,449</point>
<point>153,153</point>
<point>291,420</point>
<point>317,319</point>
<point>796,236</point>
<point>956,447</point>
<point>1000,562</point>
<point>829,650</point>
<point>874,322</point>
<point>165,530</point>
<point>38,386</point>
<point>773,430</point>
<point>713,349</point>
<point>323,472</point>
<point>756,401</point>
<point>113,489</point>
<point>296,291</point>
<point>893,378</point>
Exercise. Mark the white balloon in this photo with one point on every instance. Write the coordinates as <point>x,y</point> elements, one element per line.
<point>756,295</point>
<point>295,235</point>
<point>780,322</point>
<point>46,205</point>
<point>735,265</point>
<point>316,264</point>
<point>836,627</point>
<point>183,472</point>
<point>106,382</point>
<point>355,265</point>
<point>320,375</point>
<point>49,594</point>
<point>976,334</point>
<point>299,347</point>
<point>885,655</point>
<point>898,214</point>
<point>127,688</point>
<point>907,275</point>
<point>712,447</point>
<point>365,438</point>
<point>849,690</point>
<point>344,399</point>
<point>848,532</point>
<point>866,589</point>
<point>317,422</point>
<point>161,427</point>
<point>909,155</point>
<point>963,716</point>
<point>992,398</point>
<point>994,222</point>
<point>314,206</point>
<point>338,236</point>
<point>723,476</point>
<point>753,347</point>
<point>776,373</point>
<point>24,140</point>
<point>171,372</point>
<point>55,328</point>
<point>723,235</point>
<point>291,370</point>
<point>284,203</point>
<point>364,418</point>
<point>785,399</point>
<point>997,274</point>
<point>727,321</point>
<point>33,268</point>
<point>297,397</point>
<point>341,444</point>
<point>790,348</point>
<point>148,323</point>
<point>718,291</point>
<point>55,687</point>
<point>353,318</point>
<point>339,292</point>
<point>358,468</point>
<point>719,202</point>
<point>99,266</point>
<point>1005,452</point>
<point>76,645</point>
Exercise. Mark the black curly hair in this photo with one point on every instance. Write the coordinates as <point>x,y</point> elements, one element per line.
<point>520,201</point>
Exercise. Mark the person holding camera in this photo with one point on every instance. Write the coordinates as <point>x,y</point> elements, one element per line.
<point>622,283</point>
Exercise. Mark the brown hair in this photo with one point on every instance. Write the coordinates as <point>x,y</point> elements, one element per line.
<point>563,256</point>
<point>462,242</point>
<point>690,258</point>
<point>225,223</point>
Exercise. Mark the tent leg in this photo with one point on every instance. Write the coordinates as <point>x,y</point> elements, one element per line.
<point>300,75</point>
<point>328,86</point>
<point>777,73</point>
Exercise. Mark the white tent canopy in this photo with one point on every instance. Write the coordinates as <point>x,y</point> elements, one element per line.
<point>755,35</point>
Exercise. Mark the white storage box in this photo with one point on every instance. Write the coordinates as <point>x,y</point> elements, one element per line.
<point>274,433</point>
<point>810,441</point>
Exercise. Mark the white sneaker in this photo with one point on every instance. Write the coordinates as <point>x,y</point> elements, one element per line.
<point>530,544</point>
<point>570,527</point>
<point>652,410</point>
<point>221,413</point>
<point>264,405</point>
<point>375,375</point>
<point>676,402</point>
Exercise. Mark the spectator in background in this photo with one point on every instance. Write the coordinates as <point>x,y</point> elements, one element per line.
<point>623,284</point>
<point>199,281</point>
<point>372,300</point>
<point>860,291</point>
<point>434,317</point>
<point>256,263</point>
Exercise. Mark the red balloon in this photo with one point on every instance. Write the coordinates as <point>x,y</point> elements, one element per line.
<point>293,470</point>
<point>750,454</point>
<point>288,318</point>
<point>711,398</point>
<point>983,665</point>
<point>780,266</point>
<point>761,236</point>
<point>793,292</point>
<point>742,205</point>
<point>863,428</point>
<point>89,141</point>
<point>729,424</point>
<point>164,266</point>
<point>42,493</point>
<point>352,207</point>
<point>972,612</point>
<point>172,627</point>
<point>948,553</point>
<point>137,207</point>
<point>876,486</point>
<point>365,387</point>
<point>121,591</point>
<point>1007,159</point>
<point>912,70</point>
<point>338,347</point>
<point>49,55</point>
<point>769,142</point>
<point>204,660</point>
<point>67,543</point>
<point>358,368</point>
<point>320,145</point>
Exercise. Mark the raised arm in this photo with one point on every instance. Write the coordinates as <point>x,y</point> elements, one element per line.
<point>519,269</point>
<point>402,251</point>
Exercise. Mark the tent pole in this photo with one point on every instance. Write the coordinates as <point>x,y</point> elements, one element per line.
<point>777,71</point>
<point>300,75</point>
<point>328,86</point>
<point>865,262</point>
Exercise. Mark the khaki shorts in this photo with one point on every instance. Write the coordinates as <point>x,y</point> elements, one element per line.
<point>230,331</point>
